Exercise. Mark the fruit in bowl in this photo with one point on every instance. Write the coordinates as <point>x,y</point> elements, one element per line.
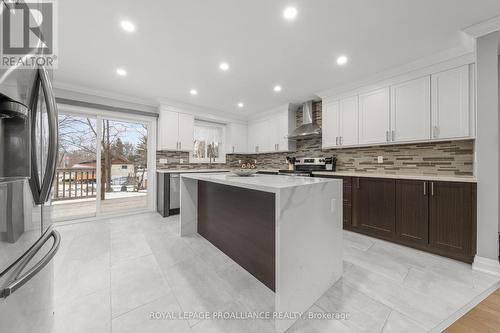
<point>245,170</point>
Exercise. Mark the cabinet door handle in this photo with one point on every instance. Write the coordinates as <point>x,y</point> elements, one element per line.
<point>425,188</point>
<point>432,188</point>
<point>387,136</point>
<point>341,140</point>
<point>277,146</point>
<point>393,135</point>
<point>336,140</point>
<point>233,149</point>
<point>180,145</point>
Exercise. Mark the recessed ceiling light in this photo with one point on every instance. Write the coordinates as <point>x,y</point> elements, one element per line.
<point>224,66</point>
<point>121,72</point>
<point>193,92</point>
<point>240,105</point>
<point>127,26</point>
<point>290,13</point>
<point>342,60</point>
<point>277,88</point>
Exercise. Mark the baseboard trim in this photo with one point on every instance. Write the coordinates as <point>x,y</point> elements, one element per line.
<point>486,265</point>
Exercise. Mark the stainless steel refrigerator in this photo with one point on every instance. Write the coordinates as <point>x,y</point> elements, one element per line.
<point>28,157</point>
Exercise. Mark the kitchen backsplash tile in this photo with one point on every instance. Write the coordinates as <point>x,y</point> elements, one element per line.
<point>437,158</point>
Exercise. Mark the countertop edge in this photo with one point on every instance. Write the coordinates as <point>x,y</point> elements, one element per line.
<point>457,179</point>
<point>193,170</point>
<point>258,187</point>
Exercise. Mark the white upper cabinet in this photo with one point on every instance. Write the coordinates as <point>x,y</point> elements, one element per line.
<point>270,134</point>
<point>175,131</point>
<point>330,124</point>
<point>340,123</point>
<point>450,104</point>
<point>410,110</point>
<point>186,131</point>
<point>236,138</point>
<point>374,117</point>
<point>348,121</point>
<point>282,130</point>
<point>168,130</point>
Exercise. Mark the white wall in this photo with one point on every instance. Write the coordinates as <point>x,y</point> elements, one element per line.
<point>487,146</point>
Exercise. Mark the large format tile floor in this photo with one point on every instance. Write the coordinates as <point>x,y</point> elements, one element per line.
<point>111,274</point>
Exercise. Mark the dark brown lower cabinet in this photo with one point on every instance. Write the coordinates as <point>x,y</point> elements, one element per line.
<point>452,219</point>
<point>437,217</point>
<point>412,211</point>
<point>374,202</point>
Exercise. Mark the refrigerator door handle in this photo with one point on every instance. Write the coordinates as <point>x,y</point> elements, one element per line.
<point>51,105</point>
<point>18,281</point>
<point>41,191</point>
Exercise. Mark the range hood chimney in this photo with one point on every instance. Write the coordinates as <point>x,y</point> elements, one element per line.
<point>308,128</point>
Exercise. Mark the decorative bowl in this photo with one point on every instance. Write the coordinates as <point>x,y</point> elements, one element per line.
<point>244,172</point>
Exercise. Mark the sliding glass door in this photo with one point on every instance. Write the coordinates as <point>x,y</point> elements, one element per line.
<point>75,187</point>
<point>104,164</point>
<point>124,166</point>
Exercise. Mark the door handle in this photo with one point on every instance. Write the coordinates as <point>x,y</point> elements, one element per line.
<point>393,135</point>
<point>341,140</point>
<point>387,136</point>
<point>233,149</point>
<point>180,144</point>
<point>425,188</point>
<point>336,140</point>
<point>41,191</point>
<point>18,281</point>
<point>432,188</point>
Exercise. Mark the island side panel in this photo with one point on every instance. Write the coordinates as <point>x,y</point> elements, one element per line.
<point>241,223</point>
<point>188,220</point>
<point>308,246</point>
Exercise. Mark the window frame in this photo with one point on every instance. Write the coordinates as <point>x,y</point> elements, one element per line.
<point>222,147</point>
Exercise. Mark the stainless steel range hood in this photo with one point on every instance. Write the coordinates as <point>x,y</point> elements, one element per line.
<point>308,128</point>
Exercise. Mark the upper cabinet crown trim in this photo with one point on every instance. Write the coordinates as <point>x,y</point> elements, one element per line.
<point>398,75</point>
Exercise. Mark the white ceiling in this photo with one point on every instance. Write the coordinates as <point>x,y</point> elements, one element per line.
<point>179,44</point>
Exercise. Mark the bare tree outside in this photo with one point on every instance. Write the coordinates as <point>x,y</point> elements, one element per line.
<point>123,154</point>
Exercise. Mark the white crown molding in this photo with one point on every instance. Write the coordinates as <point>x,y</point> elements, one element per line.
<point>200,112</point>
<point>483,28</point>
<point>435,63</point>
<point>486,265</point>
<point>103,94</point>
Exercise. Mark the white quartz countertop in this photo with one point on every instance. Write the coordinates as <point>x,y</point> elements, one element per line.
<point>192,170</point>
<point>460,179</point>
<point>260,182</point>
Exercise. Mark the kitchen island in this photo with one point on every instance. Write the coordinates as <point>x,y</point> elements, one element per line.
<point>285,231</point>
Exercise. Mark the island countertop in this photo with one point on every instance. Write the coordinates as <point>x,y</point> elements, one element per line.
<point>260,182</point>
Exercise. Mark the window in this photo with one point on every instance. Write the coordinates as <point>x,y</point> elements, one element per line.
<point>208,142</point>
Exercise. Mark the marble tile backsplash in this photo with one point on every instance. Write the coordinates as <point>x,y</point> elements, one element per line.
<point>438,158</point>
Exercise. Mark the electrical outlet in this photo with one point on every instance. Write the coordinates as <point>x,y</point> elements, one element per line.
<point>181,161</point>
<point>163,160</point>
<point>380,159</point>
<point>333,205</point>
